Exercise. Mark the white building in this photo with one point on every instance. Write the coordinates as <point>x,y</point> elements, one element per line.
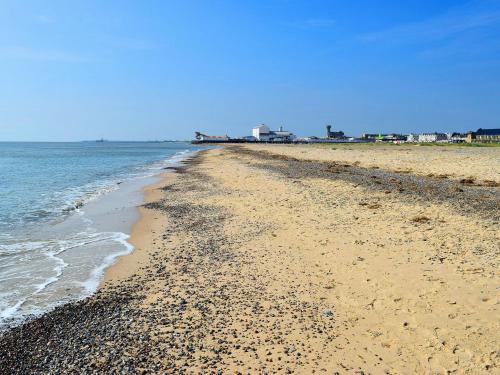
<point>432,137</point>
<point>264,134</point>
<point>457,137</point>
<point>261,133</point>
<point>412,137</point>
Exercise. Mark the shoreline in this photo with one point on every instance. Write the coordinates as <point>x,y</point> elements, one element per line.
<point>100,232</point>
<point>286,265</point>
<point>146,229</point>
<point>141,236</point>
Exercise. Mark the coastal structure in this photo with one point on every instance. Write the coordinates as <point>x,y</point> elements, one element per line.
<point>427,137</point>
<point>334,134</point>
<point>391,137</point>
<point>484,136</point>
<point>436,137</point>
<point>456,137</point>
<point>412,137</point>
<point>432,137</point>
<point>248,138</point>
<point>263,133</point>
<point>211,138</point>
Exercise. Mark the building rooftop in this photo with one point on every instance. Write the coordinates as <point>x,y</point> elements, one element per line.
<point>215,136</point>
<point>488,131</point>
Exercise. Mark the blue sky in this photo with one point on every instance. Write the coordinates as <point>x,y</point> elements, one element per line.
<point>143,70</point>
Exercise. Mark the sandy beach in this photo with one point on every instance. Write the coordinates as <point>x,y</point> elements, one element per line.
<point>279,259</point>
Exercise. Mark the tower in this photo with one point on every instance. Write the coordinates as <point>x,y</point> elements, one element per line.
<point>328,131</point>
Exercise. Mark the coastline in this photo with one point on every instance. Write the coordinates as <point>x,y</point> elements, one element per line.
<point>145,229</point>
<point>62,255</point>
<point>260,261</point>
<point>142,235</point>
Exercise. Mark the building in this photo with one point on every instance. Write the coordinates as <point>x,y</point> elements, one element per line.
<point>248,138</point>
<point>333,135</point>
<point>282,135</point>
<point>484,136</point>
<point>436,137</point>
<point>308,138</point>
<point>392,137</point>
<point>370,137</point>
<point>211,138</point>
<point>263,134</point>
<point>432,137</point>
<point>412,137</point>
<point>456,137</point>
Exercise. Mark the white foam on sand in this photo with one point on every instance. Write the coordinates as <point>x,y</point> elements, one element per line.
<point>76,261</point>
<point>10,306</point>
<point>10,311</point>
<point>92,283</point>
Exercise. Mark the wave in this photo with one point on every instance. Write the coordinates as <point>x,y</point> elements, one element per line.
<point>14,248</point>
<point>60,204</point>
<point>92,283</point>
<point>80,196</point>
<point>10,311</point>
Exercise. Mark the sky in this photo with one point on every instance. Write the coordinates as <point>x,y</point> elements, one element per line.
<point>153,70</point>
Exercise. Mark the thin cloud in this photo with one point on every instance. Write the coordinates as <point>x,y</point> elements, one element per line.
<point>441,27</point>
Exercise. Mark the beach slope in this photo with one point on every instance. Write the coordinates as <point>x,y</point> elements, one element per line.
<point>272,260</point>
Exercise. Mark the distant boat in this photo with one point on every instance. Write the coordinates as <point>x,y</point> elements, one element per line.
<point>101,140</point>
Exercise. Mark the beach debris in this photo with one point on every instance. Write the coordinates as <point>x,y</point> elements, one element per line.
<point>490,183</point>
<point>371,206</point>
<point>482,201</point>
<point>467,181</point>
<point>420,219</point>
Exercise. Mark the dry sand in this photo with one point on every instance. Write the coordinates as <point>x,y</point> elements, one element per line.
<point>405,296</point>
<point>255,262</point>
<point>482,163</point>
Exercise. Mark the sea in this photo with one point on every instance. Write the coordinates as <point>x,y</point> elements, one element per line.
<point>66,211</point>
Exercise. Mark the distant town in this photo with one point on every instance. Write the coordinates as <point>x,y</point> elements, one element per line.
<point>263,134</point>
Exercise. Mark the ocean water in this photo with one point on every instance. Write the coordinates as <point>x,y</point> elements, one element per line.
<point>65,213</point>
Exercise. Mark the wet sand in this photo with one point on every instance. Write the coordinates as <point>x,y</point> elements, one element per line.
<point>252,260</point>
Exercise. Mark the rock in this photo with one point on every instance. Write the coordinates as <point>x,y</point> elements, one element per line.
<point>328,313</point>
